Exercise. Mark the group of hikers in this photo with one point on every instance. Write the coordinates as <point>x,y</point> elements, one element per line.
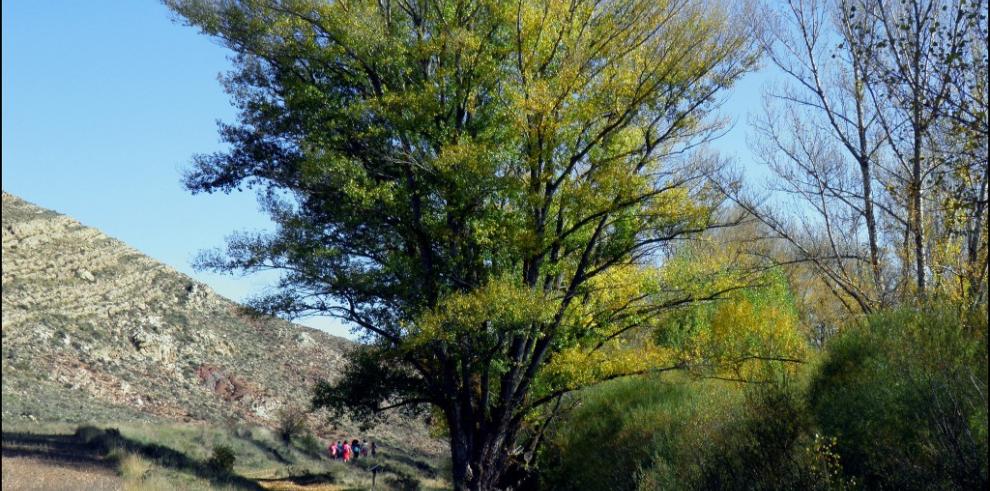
<point>347,452</point>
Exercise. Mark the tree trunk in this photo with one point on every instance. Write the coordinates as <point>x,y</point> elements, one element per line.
<point>477,466</point>
<point>477,451</point>
<point>863,156</point>
<point>917,215</point>
<point>871,230</point>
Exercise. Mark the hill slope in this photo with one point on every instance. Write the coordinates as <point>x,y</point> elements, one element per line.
<point>94,331</point>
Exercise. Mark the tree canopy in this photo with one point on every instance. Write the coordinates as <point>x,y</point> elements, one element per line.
<point>488,190</point>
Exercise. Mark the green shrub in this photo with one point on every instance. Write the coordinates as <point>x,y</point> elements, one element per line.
<point>645,434</point>
<point>896,403</point>
<point>625,427</point>
<point>905,396</point>
<point>769,443</point>
<point>222,460</point>
<point>755,447</point>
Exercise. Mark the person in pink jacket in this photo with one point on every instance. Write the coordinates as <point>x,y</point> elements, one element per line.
<point>347,452</point>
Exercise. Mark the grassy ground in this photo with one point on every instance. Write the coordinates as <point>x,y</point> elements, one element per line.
<point>39,456</point>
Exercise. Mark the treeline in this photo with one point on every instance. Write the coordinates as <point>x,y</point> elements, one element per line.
<point>876,139</point>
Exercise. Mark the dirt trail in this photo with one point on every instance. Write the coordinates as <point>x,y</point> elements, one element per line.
<point>22,473</point>
<point>54,462</point>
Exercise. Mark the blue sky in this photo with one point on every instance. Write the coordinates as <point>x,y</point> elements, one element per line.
<point>104,102</point>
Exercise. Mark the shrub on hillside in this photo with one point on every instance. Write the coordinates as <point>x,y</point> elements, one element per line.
<point>403,482</point>
<point>222,460</point>
<point>88,434</point>
<point>905,396</point>
<point>291,423</point>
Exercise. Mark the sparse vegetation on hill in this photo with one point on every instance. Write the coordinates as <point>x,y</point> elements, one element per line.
<point>94,333</point>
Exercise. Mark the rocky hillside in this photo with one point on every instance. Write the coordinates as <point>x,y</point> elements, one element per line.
<point>95,331</point>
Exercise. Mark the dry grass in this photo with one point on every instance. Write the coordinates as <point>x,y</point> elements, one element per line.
<point>33,474</point>
<point>291,486</point>
<point>133,467</point>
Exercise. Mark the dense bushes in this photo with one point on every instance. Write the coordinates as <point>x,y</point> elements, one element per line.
<point>898,402</point>
<point>649,434</point>
<point>761,446</point>
<point>905,397</point>
<point>620,429</point>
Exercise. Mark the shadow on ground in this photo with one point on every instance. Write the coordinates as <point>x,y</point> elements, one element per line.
<point>90,447</point>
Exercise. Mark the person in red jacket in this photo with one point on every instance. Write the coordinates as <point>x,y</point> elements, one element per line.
<point>347,452</point>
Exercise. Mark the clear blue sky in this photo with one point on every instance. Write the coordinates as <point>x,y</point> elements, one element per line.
<point>104,102</point>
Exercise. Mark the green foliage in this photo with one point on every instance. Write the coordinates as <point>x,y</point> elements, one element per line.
<point>619,429</point>
<point>896,403</point>
<point>768,443</point>
<point>222,459</point>
<point>751,332</point>
<point>648,434</point>
<point>905,396</point>
<point>371,375</point>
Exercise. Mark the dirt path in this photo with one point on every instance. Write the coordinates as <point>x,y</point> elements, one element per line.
<point>24,473</point>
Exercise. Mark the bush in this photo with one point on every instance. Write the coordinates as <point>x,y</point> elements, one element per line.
<point>645,434</point>
<point>222,460</point>
<point>898,402</point>
<point>95,438</point>
<point>625,427</point>
<point>755,449</point>
<point>291,422</point>
<point>905,396</point>
<point>88,434</point>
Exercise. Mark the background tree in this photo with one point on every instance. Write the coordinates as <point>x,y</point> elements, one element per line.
<point>873,138</point>
<point>822,138</point>
<point>483,188</point>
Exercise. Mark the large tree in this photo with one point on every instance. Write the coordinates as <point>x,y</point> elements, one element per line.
<point>483,188</point>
